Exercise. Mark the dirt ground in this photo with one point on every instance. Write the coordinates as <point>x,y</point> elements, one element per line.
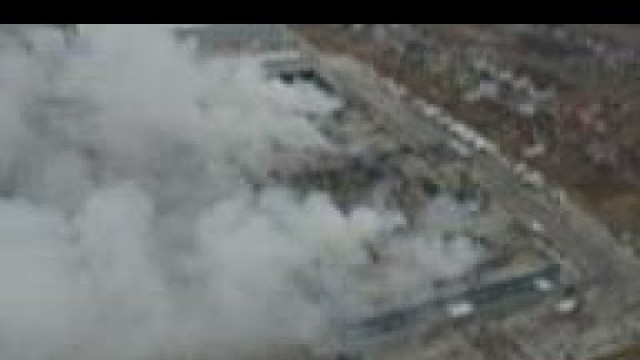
<point>629,353</point>
<point>592,132</point>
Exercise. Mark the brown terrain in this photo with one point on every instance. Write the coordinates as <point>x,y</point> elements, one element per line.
<point>580,80</point>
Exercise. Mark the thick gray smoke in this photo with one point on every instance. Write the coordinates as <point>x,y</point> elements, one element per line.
<point>129,228</point>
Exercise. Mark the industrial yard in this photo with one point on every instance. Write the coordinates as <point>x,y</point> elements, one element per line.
<point>358,192</point>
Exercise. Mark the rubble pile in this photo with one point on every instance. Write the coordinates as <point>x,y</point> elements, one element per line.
<point>561,97</point>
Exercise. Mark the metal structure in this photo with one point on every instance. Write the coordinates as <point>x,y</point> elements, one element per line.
<point>479,297</point>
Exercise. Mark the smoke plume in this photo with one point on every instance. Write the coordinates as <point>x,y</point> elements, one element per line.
<point>129,226</point>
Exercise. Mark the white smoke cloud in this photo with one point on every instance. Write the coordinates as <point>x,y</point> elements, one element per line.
<point>128,229</point>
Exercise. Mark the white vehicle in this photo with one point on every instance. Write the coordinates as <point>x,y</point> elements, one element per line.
<point>566,305</point>
<point>543,284</point>
<point>430,110</point>
<point>537,227</point>
<point>533,178</point>
<point>482,144</point>
<point>459,309</point>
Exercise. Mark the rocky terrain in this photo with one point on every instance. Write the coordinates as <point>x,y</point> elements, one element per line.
<point>564,98</point>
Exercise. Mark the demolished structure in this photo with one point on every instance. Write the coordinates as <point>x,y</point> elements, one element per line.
<point>396,290</point>
<point>389,227</point>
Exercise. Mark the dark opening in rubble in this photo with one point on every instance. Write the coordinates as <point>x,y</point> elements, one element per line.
<point>307,75</point>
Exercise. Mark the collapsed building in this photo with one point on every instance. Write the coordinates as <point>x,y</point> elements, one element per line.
<point>371,165</point>
<point>450,254</point>
<point>415,223</point>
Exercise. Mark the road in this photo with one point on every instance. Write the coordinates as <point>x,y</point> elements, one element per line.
<point>605,272</point>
